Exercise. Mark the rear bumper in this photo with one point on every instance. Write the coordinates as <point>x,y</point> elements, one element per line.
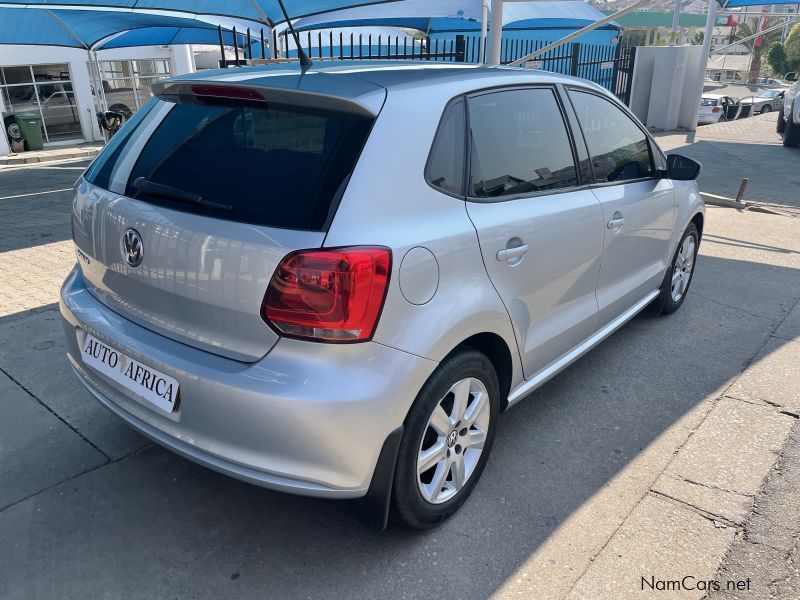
<point>307,418</point>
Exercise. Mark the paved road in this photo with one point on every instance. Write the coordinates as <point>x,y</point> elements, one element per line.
<point>745,148</point>
<point>89,509</point>
<point>34,251</point>
<point>768,551</point>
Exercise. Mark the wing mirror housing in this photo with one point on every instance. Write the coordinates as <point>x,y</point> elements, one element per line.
<point>791,76</point>
<point>682,168</point>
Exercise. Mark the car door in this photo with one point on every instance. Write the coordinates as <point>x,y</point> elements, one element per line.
<point>638,204</point>
<point>539,226</point>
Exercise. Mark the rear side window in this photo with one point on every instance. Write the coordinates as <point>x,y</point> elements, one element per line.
<point>708,102</point>
<point>275,166</point>
<point>445,169</point>
<point>519,144</point>
<point>619,150</point>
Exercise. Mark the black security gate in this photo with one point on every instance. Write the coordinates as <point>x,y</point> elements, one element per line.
<point>608,65</point>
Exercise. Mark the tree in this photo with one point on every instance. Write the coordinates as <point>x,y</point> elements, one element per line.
<point>792,47</point>
<point>747,29</point>
<point>776,57</point>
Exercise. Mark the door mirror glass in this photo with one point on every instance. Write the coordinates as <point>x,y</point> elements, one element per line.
<point>791,76</point>
<point>682,168</point>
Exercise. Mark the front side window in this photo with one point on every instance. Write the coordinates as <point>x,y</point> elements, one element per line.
<point>445,169</point>
<point>519,144</point>
<point>619,150</point>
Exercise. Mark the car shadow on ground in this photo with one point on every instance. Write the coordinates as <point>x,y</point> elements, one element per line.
<point>34,204</point>
<point>151,524</point>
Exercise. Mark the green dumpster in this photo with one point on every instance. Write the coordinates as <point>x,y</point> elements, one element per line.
<point>31,128</point>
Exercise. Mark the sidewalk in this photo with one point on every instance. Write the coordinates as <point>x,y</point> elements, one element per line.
<point>86,150</point>
<point>745,148</point>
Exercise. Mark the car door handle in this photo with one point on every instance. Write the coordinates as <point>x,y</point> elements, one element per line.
<point>616,222</point>
<point>511,253</point>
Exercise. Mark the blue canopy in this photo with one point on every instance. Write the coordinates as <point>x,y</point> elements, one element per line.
<point>459,15</point>
<point>735,3</point>
<point>88,28</point>
<point>265,11</point>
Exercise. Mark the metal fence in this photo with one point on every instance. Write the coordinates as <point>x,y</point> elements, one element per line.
<point>608,65</point>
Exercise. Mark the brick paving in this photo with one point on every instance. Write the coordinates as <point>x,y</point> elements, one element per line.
<point>35,248</point>
<point>745,148</point>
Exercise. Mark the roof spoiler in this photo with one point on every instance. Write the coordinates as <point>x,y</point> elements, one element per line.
<point>202,91</point>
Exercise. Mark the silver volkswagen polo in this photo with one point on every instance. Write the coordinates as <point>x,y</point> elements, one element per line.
<point>332,282</point>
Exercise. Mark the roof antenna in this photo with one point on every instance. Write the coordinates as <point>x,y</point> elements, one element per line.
<point>305,62</point>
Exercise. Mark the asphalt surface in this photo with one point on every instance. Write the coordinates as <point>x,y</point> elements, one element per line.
<point>89,509</point>
<point>766,555</point>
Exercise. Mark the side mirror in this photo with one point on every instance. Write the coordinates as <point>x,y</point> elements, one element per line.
<point>791,76</point>
<point>682,168</point>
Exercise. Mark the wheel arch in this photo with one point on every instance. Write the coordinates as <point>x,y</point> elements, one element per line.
<point>698,220</point>
<point>495,348</point>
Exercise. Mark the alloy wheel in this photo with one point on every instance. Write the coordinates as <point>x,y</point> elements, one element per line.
<point>453,440</point>
<point>682,269</point>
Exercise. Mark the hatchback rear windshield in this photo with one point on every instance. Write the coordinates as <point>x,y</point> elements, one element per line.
<point>275,165</point>
<point>708,102</point>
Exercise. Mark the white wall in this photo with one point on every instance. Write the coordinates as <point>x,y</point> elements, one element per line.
<point>79,73</point>
<point>664,82</point>
<point>180,57</point>
<point>5,147</point>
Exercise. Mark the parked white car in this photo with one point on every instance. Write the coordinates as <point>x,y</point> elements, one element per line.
<point>715,108</point>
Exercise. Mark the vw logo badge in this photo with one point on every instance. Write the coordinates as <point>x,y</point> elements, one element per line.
<point>132,250</point>
<point>451,439</point>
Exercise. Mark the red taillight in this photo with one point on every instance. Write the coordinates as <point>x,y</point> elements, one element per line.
<point>328,295</point>
<point>227,91</point>
<point>715,109</point>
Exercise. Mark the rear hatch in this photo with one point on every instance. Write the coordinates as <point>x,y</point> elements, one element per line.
<point>183,218</point>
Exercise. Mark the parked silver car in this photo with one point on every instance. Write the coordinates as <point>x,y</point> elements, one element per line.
<point>766,101</point>
<point>332,283</point>
<point>789,116</point>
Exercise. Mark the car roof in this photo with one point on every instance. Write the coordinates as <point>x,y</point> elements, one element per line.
<point>357,80</point>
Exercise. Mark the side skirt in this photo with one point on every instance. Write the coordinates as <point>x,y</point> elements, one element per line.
<point>547,373</point>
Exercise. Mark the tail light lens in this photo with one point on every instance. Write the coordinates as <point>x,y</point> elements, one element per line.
<point>331,295</point>
<point>715,109</point>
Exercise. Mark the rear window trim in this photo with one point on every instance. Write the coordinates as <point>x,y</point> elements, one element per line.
<point>465,169</point>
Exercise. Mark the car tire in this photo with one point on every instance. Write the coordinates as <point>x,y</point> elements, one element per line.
<point>682,268</point>
<point>781,122</point>
<point>423,499</point>
<point>791,134</point>
<point>767,108</point>
<point>12,128</point>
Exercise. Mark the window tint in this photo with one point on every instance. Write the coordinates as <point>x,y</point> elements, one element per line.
<point>445,168</point>
<point>519,144</point>
<point>273,166</point>
<point>619,149</point>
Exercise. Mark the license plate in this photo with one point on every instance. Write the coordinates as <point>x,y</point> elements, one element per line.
<point>146,382</point>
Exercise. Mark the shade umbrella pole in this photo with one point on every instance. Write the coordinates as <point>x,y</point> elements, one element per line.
<point>484,28</point>
<point>496,32</point>
<point>698,95</point>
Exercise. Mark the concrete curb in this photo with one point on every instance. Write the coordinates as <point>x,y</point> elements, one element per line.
<point>29,160</point>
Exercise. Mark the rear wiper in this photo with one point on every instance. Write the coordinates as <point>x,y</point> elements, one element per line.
<point>144,185</point>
